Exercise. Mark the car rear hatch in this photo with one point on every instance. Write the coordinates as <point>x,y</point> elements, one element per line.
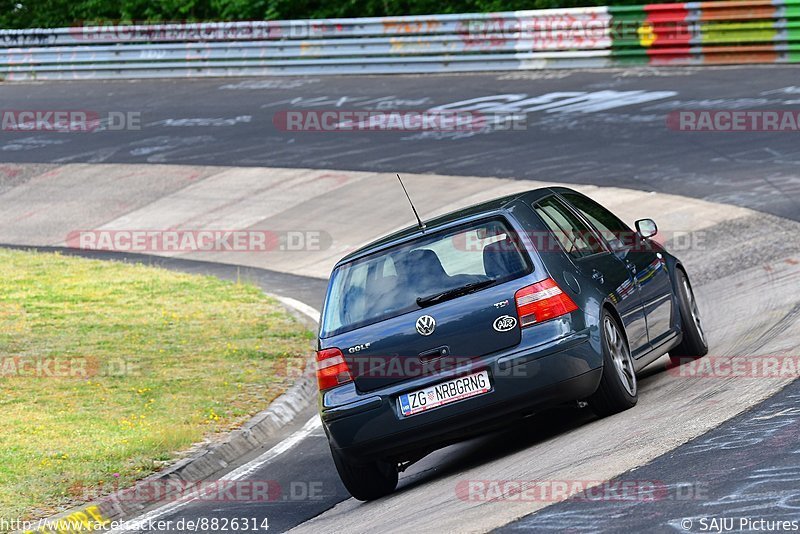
<point>463,328</point>
<point>431,305</point>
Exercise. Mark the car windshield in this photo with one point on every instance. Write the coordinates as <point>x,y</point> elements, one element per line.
<point>430,270</point>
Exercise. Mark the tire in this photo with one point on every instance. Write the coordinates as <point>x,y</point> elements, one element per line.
<point>618,389</point>
<point>694,344</point>
<point>368,481</point>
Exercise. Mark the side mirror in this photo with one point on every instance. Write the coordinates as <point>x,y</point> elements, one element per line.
<point>646,228</point>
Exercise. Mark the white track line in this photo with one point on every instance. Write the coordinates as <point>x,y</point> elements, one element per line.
<point>302,307</point>
<point>245,469</point>
<point>240,472</point>
<point>250,467</point>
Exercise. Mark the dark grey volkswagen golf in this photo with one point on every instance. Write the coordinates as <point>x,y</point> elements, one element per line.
<point>444,331</point>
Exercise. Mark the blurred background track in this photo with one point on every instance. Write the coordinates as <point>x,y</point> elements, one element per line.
<point>592,132</point>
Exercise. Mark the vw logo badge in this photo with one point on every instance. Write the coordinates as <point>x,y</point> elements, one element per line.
<point>426,325</point>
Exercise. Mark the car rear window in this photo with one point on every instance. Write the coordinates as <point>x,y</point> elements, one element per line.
<point>388,283</point>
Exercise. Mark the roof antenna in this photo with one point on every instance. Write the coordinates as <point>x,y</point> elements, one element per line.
<point>419,221</point>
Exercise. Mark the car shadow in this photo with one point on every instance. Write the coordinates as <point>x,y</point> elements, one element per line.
<point>520,435</point>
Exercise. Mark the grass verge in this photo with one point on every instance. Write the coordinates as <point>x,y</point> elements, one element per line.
<point>109,370</point>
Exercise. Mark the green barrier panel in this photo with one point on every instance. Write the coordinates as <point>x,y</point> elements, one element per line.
<point>632,35</point>
<point>793,31</point>
<point>792,53</point>
<point>737,32</point>
<point>630,57</point>
<point>625,24</point>
<point>635,29</point>
<point>621,11</point>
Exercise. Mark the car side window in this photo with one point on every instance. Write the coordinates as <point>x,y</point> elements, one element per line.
<point>572,233</point>
<point>353,305</point>
<point>614,231</point>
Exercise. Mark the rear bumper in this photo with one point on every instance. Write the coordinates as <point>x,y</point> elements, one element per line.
<point>527,378</point>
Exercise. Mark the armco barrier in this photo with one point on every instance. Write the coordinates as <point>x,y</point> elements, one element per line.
<point>749,31</point>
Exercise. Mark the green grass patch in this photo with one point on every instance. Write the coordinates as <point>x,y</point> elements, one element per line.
<point>108,370</point>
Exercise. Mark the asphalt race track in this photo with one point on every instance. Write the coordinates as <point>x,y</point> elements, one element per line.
<point>579,127</point>
<point>752,473</point>
<point>713,448</point>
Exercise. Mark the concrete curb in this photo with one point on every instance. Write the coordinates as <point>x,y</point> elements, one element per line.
<point>209,459</point>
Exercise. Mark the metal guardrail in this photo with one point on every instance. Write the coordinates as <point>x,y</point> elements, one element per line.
<point>697,33</point>
<point>746,31</point>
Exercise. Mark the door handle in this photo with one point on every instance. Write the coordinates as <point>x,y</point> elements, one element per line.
<point>597,275</point>
<point>433,354</point>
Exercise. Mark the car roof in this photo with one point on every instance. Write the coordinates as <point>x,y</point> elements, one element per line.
<point>448,219</point>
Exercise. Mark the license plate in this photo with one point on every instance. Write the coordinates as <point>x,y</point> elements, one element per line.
<point>444,393</point>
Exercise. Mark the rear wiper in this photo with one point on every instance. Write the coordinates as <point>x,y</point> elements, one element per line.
<point>455,292</point>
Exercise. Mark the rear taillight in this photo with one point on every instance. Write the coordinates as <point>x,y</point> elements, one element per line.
<point>332,370</point>
<point>541,302</point>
